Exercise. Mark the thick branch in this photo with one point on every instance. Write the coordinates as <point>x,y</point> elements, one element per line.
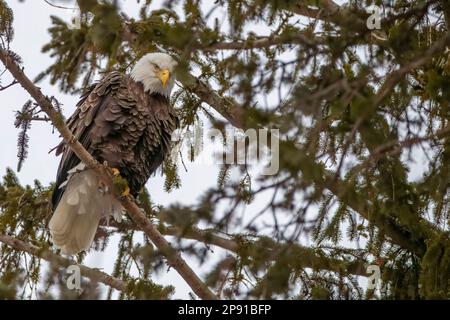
<point>47,255</point>
<point>243,45</point>
<point>329,11</point>
<point>173,258</point>
<point>396,76</point>
<point>265,42</point>
<point>223,105</point>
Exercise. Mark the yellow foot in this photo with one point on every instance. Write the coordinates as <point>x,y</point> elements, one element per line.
<point>120,184</point>
<point>115,171</point>
<point>126,192</point>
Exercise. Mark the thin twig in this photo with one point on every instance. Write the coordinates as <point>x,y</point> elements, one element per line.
<point>8,86</point>
<point>59,7</point>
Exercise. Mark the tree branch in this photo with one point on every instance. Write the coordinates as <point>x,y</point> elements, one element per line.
<point>136,214</point>
<point>425,230</point>
<point>265,42</point>
<point>47,255</point>
<point>309,259</point>
<point>225,106</point>
<point>329,11</point>
<point>396,76</point>
<point>14,82</point>
<point>395,147</point>
<point>234,114</point>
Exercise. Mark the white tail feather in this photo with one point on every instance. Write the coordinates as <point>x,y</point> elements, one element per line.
<point>76,218</point>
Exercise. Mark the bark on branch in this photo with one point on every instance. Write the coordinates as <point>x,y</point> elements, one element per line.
<point>265,42</point>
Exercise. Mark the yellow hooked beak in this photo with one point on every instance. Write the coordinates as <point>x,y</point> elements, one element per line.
<point>164,76</point>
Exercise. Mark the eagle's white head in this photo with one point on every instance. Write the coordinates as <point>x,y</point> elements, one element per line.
<point>155,71</point>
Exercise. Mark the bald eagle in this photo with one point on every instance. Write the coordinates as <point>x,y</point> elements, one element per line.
<point>125,121</point>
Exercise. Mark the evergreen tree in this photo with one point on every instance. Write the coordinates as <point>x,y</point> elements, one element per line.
<point>357,93</point>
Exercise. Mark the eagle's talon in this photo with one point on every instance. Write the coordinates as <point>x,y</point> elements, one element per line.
<point>115,172</point>
<point>126,192</point>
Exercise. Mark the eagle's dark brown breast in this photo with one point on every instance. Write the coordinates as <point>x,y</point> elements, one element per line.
<point>118,122</point>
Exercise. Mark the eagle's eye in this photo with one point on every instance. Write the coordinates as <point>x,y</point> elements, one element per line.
<point>155,66</point>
